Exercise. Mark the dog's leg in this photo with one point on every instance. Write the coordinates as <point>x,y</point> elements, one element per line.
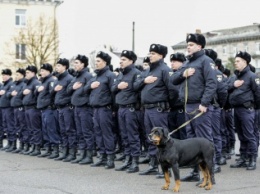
<point>166,177</point>
<point>176,172</point>
<point>205,176</point>
<point>209,173</point>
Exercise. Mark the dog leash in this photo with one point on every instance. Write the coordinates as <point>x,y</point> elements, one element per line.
<point>185,104</point>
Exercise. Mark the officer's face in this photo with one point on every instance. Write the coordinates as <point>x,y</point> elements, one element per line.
<point>100,63</point>
<point>78,65</point>
<point>44,73</point>
<point>193,48</point>
<point>176,64</point>
<point>18,76</point>
<point>146,66</point>
<point>154,57</point>
<point>29,75</point>
<point>125,62</point>
<point>5,77</point>
<point>60,68</point>
<point>240,64</point>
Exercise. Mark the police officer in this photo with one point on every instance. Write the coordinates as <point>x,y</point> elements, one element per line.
<point>63,104</point>
<point>154,87</point>
<point>201,82</point>
<point>101,99</point>
<point>127,99</point>
<point>1,125</point>
<point>177,115</point>
<point>218,102</point>
<point>32,114</point>
<point>16,96</point>
<point>7,111</point>
<point>83,112</point>
<point>245,97</point>
<point>45,103</point>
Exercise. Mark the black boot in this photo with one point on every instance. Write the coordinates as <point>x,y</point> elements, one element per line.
<point>30,150</point>
<point>46,153</point>
<point>145,160</point>
<point>121,157</point>
<point>63,154</point>
<point>231,150</point>
<point>153,167</point>
<point>88,159</point>
<point>126,164</point>
<point>134,166</point>
<point>37,151</point>
<point>110,161</point>
<point>54,152</point>
<point>18,150</point>
<point>26,148</point>
<point>71,156</point>
<point>194,176</point>
<point>82,154</point>
<point>161,175</point>
<point>252,163</point>
<point>7,146</point>
<point>12,147</point>
<point>221,161</point>
<point>102,160</point>
<point>217,168</point>
<point>240,163</point>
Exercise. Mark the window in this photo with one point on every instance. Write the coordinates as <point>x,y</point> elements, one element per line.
<point>246,47</point>
<point>234,49</point>
<point>20,51</point>
<point>257,46</point>
<point>224,50</point>
<point>20,19</point>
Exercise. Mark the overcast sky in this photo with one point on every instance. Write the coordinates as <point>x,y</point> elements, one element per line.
<point>86,24</point>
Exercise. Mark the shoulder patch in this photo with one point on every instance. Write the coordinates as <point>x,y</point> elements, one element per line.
<point>257,81</point>
<point>170,73</point>
<point>212,65</point>
<point>219,78</point>
<point>138,75</point>
<point>52,84</point>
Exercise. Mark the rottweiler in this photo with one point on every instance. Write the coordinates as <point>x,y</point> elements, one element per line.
<point>174,153</point>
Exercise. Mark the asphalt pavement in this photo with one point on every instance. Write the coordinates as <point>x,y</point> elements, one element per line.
<point>22,174</point>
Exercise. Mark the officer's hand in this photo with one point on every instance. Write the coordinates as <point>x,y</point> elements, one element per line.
<point>26,91</point>
<point>76,85</point>
<point>238,83</point>
<point>58,88</point>
<point>13,93</point>
<point>95,84</point>
<point>40,88</point>
<point>150,79</point>
<point>202,108</point>
<point>2,92</point>
<point>188,72</point>
<point>122,85</point>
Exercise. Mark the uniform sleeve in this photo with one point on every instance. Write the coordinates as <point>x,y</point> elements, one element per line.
<point>177,77</point>
<point>87,88</point>
<point>255,85</point>
<point>111,80</point>
<point>114,88</point>
<point>209,75</point>
<point>70,89</point>
<point>139,81</point>
<point>166,76</point>
<point>222,92</point>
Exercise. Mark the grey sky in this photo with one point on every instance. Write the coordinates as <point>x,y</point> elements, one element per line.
<point>86,24</point>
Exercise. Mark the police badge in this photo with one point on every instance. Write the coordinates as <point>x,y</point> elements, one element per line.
<point>170,73</point>
<point>52,84</point>
<point>212,65</point>
<point>219,78</point>
<point>257,81</point>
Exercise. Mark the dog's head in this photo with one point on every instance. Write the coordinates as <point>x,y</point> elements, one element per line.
<point>159,136</point>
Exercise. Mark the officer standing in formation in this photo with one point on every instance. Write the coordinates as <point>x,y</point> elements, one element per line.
<point>200,95</point>
<point>127,99</point>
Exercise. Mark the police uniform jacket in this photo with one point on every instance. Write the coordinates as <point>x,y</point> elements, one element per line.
<point>31,98</point>
<point>159,90</point>
<point>5,99</point>
<point>202,85</point>
<point>62,97</point>
<point>102,95</point>
<point>45,98</point>
<point>222,90</point>
<point>129,95</point>
<point>248,94</point>
<point>17,101</point>
<point>79,97</point>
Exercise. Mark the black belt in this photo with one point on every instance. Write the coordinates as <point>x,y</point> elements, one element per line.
<point>63,106</point>
<point>127,106</point>
<point>84,106</point>
<point>46,107</point>
<point>30,107</point>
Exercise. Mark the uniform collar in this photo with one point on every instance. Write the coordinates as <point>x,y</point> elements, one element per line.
<point>62,75</point>
<point>240,73</point>
<point>155,64</point>
<point>101,71</point>
<point>196,55</point>
<point>127,69</point>
<point>79,73</point>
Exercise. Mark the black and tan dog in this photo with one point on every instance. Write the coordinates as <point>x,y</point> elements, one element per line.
<point>174,153</point>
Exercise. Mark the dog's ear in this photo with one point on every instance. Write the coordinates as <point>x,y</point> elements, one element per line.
<point>165,133</point>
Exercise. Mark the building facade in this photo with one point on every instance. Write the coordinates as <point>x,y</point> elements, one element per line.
<point>227,42</point>
<point>20,20</point>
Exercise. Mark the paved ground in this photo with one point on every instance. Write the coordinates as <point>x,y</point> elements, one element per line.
<point>26,174</point>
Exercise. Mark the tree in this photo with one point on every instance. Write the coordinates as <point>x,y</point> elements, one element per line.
<point>40,38</point>
<point>230,64</point>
